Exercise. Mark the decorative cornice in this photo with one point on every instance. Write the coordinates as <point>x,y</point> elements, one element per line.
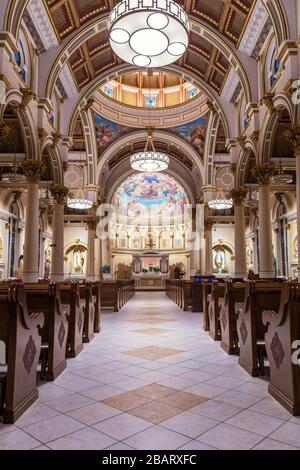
<point>27,96</point>
<point>42,23</point>
<point>33,170</point>
<point>254,28</point>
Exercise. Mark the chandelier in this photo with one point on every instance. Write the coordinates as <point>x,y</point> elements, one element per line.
<point>149,160</point>
<point>78,200</point>
<point>13,176</point>
<point>221,202</point>
<point>281,178</point>
<point>148,33</point>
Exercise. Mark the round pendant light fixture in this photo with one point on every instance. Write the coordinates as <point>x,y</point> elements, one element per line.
<point>148,33</point>
<point>149,160</point>
<point>220,203</point>
<point>78,199</point>
<point>281,178</point>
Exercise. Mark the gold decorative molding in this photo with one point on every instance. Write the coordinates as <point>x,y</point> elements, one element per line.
<point>27,96</point>
<point>4,131</point>
<point>293,136</point>
<point>33,170</point>
<point>59,194</point>
<point>238,196</point>
<point>263,173</point>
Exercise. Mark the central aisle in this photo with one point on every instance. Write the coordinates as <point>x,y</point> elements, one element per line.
<point>153,379</point>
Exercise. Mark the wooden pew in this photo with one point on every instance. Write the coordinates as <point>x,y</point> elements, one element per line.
<point>233,294</point>
<point>215,299</point>
<point>45,298</point>
<point>283,329</point>
<point>20,333</point>
<point>250,328</point>
<point>206,287</point>
<point>187,288</point>
<point>197,297</point>
<point>96,291</point>
<point>87,301</point>
<point>110,295</point>
<point>71,303</point>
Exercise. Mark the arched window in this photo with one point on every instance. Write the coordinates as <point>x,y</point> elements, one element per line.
<point>13,241</point>
<point>282,251</point>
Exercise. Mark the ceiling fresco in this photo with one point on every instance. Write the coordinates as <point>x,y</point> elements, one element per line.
<point>150,194</point>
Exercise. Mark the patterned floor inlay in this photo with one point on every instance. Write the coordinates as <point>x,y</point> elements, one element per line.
<point>153,353</point>
<point>151,331</point>
<point>157,403</point>
<point>150,321</point>
<point>149,382</point>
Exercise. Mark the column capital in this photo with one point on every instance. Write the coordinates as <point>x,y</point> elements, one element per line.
<point>238,196</point>
<point>208,225</point>
<point>92,224</point>
<point>33,170</point>
<point>59,194</point>
<point>293,136</point>
<point>263,173</point>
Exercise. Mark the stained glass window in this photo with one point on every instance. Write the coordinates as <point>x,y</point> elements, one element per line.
<point>108,91</point>
<point>193,92</point>
<point>151,101</point>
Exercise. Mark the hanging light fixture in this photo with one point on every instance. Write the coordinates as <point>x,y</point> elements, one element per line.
<point>14,176</point>
<point>78,200</point>
<point>281,178</point>
<point>148,33</point>
<point>220,203</point>
<point>149,160</point>
<point>250,202</point>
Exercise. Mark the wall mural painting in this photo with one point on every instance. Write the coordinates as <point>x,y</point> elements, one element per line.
<point>194,133</point>
<point>157,193</point>
<point>108,131</point>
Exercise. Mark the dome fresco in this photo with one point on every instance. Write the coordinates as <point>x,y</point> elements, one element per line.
<point>150,194</point>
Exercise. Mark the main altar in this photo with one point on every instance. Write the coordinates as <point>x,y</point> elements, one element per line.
<point>150,270</point>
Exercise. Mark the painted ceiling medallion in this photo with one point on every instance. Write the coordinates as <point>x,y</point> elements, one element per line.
<point>149,160</point>
<point>148,33</point>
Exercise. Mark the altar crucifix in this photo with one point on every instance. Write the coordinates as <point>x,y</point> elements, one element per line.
<point>151,241</point>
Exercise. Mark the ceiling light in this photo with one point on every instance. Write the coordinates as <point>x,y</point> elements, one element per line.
<point>148,33</point>
<point>149,160</point>
<point>281,178</point>
<point>220,203</point>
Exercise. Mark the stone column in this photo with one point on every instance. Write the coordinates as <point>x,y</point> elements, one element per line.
<point>90,265</point>
<point>208,248</point>
<point>33,170</point>
<point>240,270</point>
<point>57,261</point>
<point>293,136</point>
<point>263,173</point>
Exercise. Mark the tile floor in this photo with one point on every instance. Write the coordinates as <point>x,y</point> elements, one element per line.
<point>152,379</point>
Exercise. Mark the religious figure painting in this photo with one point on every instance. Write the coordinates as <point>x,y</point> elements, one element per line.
<point>150,194</point>
<point>194,133</point>
<point>107,132</point>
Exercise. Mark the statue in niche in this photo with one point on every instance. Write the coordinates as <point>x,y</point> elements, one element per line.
<point>219,260</point>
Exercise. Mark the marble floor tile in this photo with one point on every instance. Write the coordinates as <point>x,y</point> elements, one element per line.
<point>122,426</point>
<point>17,440</point>
<point>288,433</point>
<point>84,439</point>
<point>255,422</point>
<point>157,438</point>
<point>190,424</point>
<point>93,414</point>
<point>227,437</point>
<point>53,428</point>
